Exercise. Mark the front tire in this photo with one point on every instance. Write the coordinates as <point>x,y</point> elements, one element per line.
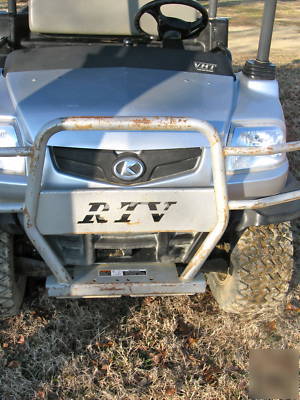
<point>12,285</point>
<point>260,272</point>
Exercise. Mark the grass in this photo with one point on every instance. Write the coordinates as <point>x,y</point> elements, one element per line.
<point>155,348</point>
<point>144,349</point>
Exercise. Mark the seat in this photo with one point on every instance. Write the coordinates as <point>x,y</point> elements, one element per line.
<point>96,17</point>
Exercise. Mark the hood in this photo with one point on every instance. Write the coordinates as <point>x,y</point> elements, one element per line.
<point>41,96</point>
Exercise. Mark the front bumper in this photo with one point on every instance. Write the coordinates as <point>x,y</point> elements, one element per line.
<point>222,205</point>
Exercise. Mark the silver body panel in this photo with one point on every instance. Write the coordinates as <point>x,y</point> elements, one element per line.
<point>36,97</point>
<point>41,96</point>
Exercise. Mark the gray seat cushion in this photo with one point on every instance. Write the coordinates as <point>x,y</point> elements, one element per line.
<point>95,17</point>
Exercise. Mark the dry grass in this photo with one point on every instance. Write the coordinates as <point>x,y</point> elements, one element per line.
<point>162,348</point>
<point>143,349</point>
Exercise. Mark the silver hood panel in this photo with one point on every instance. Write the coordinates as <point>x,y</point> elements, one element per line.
<point>37,97</point>
<point>40,96</point>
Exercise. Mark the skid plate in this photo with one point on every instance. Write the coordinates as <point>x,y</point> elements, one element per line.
<point>118,280</point>
<point>116,211</point>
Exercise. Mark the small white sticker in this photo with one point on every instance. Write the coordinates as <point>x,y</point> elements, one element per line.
<point>117,272</point>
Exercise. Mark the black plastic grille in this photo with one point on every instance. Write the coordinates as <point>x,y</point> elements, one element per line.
<point>98,164</point>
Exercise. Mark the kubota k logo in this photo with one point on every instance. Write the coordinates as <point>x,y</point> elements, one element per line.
<point>98,212</point>
<point>128,169</point>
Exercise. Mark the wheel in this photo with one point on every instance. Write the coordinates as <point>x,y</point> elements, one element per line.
<point>261,269</point>
<point>12,285</point>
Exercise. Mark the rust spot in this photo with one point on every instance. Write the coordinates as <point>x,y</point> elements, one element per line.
<point>142,121</point>
<point>26,213</point>
<point>111,287</point>
<point>87,117</point>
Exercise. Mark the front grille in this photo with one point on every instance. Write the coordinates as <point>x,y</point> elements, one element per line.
<point>98,164</point>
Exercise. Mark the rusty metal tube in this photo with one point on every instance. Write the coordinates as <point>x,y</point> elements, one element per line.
<point>264,202</point>
<point>15,151</point>
<point>261,151</point>
<point>124,124</point>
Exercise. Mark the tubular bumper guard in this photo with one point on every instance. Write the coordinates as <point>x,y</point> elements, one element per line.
<point>218,154</point>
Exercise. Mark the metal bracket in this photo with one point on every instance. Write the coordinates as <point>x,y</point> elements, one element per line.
<point>103,280</point>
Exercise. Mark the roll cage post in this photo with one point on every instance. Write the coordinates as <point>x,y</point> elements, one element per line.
<point>261,67</point>
<point>266,32</point>
<point>12,14</point>
<point>266,27</point>
<point>212,8</point>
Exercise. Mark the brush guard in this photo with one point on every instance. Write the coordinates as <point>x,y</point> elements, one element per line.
<point>79,285</point>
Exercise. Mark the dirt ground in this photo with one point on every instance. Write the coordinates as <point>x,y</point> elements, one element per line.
<point>152,348</point>
<point>245,17</point>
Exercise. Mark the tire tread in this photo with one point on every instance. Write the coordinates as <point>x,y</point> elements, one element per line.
<point>263,266</point>
<point>10,294</point>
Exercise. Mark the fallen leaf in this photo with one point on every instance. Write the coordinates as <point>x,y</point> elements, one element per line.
<point>170,391</point>
<point>5,345</point>
<point>292,307</point>
<point>21,339</point>
<point>105,365</point>
<point>209,377</point>
<point>157,358</point>
<point>210,374</point>
<point>191,341</point>
<point>108,343</point>
<point>271,325</point>
<point>148,300</point>
<point>41,394</point>
<point>14,364</point>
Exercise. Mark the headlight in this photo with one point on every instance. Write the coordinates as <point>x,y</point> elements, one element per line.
<point>255,136</point>
<point>10,165</point>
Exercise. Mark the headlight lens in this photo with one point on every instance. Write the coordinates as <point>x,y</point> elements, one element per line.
<point>255,136</point>
<point>10,165</point>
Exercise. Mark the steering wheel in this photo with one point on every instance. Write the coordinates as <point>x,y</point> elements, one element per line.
<point>187,30</point>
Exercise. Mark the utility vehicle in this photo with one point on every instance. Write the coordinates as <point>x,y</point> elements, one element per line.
<point>134,161</point>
